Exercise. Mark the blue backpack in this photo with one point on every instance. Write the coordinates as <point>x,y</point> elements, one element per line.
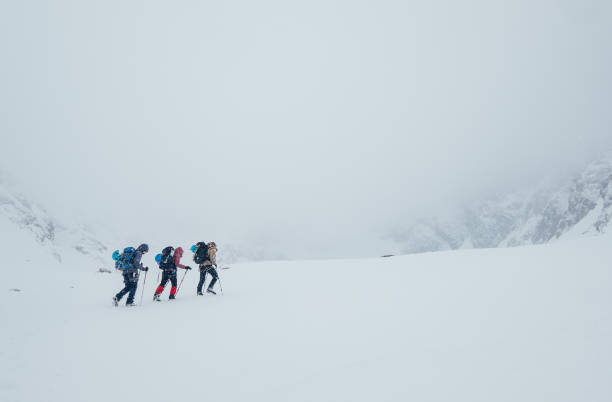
<point>124,260</point>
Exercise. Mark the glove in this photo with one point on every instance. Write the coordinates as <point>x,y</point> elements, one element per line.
<point>146,269</point>
<point>187,267</point>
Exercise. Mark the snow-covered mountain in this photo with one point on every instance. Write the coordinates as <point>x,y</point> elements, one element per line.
<point>29,229</point>
<point>581,206</point>
<point>38,237</point>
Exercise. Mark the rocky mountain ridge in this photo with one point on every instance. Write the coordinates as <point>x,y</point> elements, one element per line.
<point>58,239</point>
<point>581,206</point>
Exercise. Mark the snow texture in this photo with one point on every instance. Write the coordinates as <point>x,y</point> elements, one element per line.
<point>516,324</point>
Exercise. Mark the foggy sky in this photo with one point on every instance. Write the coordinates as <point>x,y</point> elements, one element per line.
<point>306,125</point>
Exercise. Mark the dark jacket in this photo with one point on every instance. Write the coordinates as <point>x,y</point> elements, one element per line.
<point>176,260</point>
<point>132,272</point>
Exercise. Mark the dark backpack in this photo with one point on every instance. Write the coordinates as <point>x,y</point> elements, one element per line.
<point>201,253</point>
<point>167,258</point>
<point>126,259</point>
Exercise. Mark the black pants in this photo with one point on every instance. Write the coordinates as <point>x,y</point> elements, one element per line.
<point>168,276</point>
<point>203,271</point>
<point>130,287</point>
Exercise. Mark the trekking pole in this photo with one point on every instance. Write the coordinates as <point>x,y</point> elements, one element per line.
<point>179,286</point>
<point>220,284</point>
<point>143,286</point>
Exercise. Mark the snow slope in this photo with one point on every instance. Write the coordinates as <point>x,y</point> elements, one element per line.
<point>28,226</point>
<point>520,324</point>
<point>580,206</point>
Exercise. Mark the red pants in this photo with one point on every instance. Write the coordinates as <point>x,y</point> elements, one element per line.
<point>167,276</point>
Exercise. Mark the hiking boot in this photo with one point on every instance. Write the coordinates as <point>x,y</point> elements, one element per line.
<point>132,304</point>
<point>156,297</point>
<point>172,297</point>
<point>211,291</point>
<point>200,293</point>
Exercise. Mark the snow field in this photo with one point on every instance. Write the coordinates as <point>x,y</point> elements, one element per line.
<point>520,324</point>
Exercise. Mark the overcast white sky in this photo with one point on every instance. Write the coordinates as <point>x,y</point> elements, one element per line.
<point>306,124</point>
